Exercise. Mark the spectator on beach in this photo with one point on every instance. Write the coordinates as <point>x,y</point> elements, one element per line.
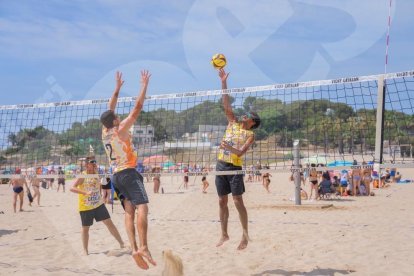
<point>258,174</point>
<point>397,177</point>
<point>186,170</point>
<point>205,184</point>
<point>250,175</point>
<point>344,178</point>
<point>325,186</point>
<point>61,179</point>
<point>336,184</point>
<point>18,190</point>
<point>367,178</point>
<point>313,180</point>
<point>385,176</point>
<point>266,181</point>
<point>35,182</point>
<point>51,180</point>
<point>392,174</point>
<point>156,180</point>
<point>356,179</point>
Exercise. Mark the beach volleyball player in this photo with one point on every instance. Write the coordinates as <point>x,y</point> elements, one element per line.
<point>123,158</point>
<point>237,139</point>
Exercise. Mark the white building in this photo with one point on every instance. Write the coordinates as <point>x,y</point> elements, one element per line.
<point>142,134</point>
<point>206,136</point>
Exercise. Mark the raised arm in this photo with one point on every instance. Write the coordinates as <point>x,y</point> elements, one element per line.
<point>114,98</point>
<point>133,115</point>
<point>226,98</point>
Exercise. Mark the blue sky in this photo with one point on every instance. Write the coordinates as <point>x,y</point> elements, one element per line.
<point>52,51</point>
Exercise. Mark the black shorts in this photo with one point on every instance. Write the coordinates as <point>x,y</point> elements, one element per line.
<point>186,178</point>
<point>130,185</point>
<point>99,214</point>
<point>226,184</point>
<point>106,186</point>
<point>61,181</point>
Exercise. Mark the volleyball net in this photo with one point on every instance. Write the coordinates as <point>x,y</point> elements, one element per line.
<point>336,122</point>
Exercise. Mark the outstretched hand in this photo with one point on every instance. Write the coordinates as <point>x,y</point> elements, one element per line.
<point>119,80</point>
<point>145,76</point>
<point>223,75</point>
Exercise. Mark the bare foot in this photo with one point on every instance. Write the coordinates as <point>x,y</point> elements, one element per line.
<point>147,255</point>
<point>85,252</point>
<point>122,245</point>
<point>243,244</point>
<point>222,240</point>
<point>141,263</point>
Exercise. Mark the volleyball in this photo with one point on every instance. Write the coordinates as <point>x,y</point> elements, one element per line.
<point>218,61</point>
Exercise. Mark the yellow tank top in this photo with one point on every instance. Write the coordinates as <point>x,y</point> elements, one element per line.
<point>121,154</point>
<point>94,200</point>
<point>236,136</point>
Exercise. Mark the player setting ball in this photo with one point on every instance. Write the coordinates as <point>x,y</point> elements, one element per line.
<point>218,61</point>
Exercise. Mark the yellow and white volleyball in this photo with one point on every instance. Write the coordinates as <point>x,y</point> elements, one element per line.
<point>218,61</point>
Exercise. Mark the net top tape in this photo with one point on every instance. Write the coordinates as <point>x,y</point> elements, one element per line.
<point>294,85</point>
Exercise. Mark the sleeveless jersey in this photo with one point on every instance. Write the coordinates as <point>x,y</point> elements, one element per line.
<point>121,154</point>
<point>93,201</point>
<point>236,137</point>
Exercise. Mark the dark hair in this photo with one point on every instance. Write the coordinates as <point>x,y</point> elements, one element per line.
<point>255,118</point>
<point>107,118</point>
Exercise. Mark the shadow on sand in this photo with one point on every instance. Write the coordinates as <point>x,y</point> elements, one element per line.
<point>7,232</point>
<point>316,271</point>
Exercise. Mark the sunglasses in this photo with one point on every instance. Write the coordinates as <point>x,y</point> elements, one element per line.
<point>92,161</point>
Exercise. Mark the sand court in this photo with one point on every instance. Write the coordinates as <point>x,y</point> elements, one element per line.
<point>354,235</point>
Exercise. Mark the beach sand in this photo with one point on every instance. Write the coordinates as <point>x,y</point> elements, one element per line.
<point>356,235</point>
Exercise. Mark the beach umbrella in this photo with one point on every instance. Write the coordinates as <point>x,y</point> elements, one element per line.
<point>155,160</point>
<point>167,164</point>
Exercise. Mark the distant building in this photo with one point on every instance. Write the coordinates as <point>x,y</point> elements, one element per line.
<point>213,133</point>
<point>206,136</point>
<point>142,134</point>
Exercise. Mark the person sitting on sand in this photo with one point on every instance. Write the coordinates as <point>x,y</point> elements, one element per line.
<point>91,205</point>
<point>397,177</point>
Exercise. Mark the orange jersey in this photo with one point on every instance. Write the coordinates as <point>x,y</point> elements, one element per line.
<point>121,153</point>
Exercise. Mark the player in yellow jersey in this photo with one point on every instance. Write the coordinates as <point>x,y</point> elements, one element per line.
<point>91,205</point>
<point>122,157</point>
<point>236,141</point>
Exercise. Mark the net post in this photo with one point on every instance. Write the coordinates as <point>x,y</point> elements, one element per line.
<point>379,128</point>
<point>296,172</point>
